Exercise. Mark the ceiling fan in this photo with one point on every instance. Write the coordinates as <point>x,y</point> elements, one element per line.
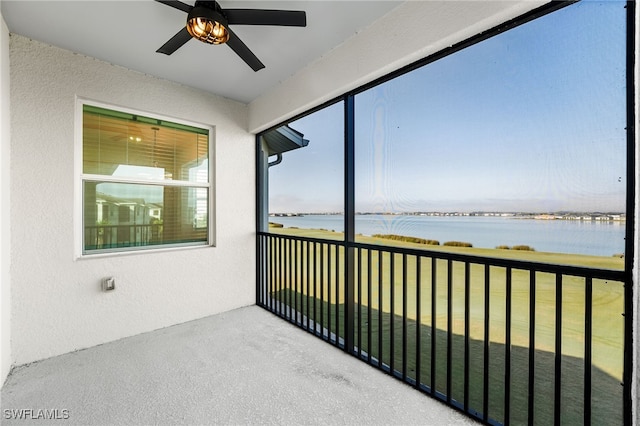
<point>209,23</point>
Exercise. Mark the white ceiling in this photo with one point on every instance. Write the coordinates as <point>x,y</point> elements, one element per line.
<point>128,33</point>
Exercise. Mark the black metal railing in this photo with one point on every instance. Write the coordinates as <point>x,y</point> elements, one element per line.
<point>505,341</point>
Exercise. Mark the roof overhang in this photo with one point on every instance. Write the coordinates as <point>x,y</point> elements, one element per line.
<point>283,139</point>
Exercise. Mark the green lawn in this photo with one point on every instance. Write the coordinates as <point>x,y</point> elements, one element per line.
<point>607,392</point>
<point>608,325</point>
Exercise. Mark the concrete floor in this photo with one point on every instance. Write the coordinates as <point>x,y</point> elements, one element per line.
<point>241,367</point>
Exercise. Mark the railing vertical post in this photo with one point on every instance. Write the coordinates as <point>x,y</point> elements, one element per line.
<point>349,219</point>
<point>259,256</point>
<point>329,275</point>
<point>507,350</point>
<point>558,352</point>
<point>369,303</point>
<point>308,277</point>
<point>404,317</point>
<point>281,276</point>
<point>434,330</point>
<point>261,268</point>
<point>359,322</point>
<point>449,328</point>
<point>288,280</point>
<point>392,313</point>
<point>296,281</point>
<point>380,306</point>
<point>588,330</point>
<point>467,304</point>
<point>322,245</point>
<point>272,272</point>
<point>337,252</point>
<point>315,288</point>
<point>265,269</point>
<point>487,325</point>
<point>418,321</point>
<point>532,345</point>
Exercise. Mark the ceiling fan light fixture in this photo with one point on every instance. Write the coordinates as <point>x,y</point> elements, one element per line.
<point>207,25</point>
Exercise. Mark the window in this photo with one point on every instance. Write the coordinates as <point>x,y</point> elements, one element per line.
<point>145,182</point>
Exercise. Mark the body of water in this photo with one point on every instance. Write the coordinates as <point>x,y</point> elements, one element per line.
<point>600,238</point>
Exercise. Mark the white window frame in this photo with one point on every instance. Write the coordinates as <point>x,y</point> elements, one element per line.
<point>80,178</point>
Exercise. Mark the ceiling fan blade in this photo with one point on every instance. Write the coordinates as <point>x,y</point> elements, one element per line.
<point>288,18</point>
<point>243,51</point>
<point>175,42</point>
<point>176,4</point>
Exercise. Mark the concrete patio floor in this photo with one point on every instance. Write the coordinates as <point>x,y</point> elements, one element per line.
<point>241,367</point>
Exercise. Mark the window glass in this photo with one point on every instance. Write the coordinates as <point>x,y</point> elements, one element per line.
<point>121,152</point>
<point>131,146</point>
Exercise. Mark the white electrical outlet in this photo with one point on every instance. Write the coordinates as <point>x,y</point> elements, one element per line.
<point>108,284</point>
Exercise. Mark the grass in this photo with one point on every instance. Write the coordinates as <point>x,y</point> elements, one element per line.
<point>608,323</point>
<point>599,262</point>
<point>607,392</point>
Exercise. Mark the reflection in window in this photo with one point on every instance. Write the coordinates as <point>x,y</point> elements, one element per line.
<point>145,182</point>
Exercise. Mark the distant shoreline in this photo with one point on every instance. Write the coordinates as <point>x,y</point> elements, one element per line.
<point>581,216</point>
<point>549,233</point>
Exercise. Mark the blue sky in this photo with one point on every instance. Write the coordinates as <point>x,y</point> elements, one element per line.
<point>530,120</point>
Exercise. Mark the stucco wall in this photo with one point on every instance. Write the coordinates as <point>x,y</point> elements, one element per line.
<point>5,248</point>
<point>57,304</point>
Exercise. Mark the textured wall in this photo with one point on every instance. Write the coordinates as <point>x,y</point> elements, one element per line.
<point>57,303</point>
<point>5,247</point>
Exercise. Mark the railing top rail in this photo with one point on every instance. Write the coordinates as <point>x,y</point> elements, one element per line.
<point>579,271</point>
<point>308,239</point>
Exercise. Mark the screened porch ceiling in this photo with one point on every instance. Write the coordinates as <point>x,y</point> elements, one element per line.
<point>130,32</point>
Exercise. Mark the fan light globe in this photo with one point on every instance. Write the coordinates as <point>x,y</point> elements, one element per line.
<point>207,30</point>
<point>206,23</point>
